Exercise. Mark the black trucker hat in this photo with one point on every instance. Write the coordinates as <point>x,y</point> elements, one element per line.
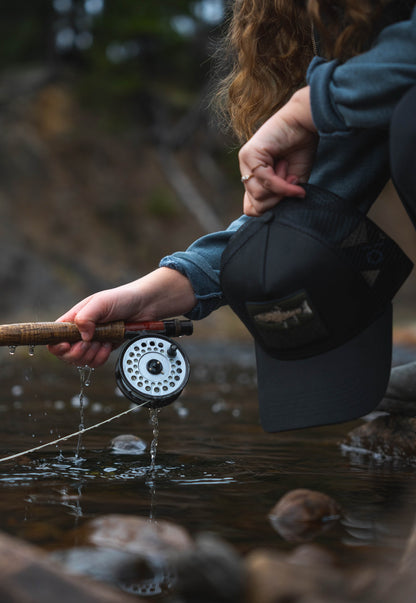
<point>313,280</point>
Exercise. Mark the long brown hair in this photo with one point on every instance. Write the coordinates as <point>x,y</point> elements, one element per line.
<point>270,43</point>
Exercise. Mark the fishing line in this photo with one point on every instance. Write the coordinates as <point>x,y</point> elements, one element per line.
<point>71,435</point>
<point>151,371</point>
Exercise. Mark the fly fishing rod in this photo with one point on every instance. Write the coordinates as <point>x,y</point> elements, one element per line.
<point>152,369</point>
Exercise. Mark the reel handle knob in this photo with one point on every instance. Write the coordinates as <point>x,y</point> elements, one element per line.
<point>172,350</point>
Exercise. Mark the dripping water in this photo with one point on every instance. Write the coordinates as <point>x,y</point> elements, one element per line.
<point>154,422</point>
<point>85,373</point>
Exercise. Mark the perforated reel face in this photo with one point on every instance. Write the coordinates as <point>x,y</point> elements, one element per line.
<point>152,369</point>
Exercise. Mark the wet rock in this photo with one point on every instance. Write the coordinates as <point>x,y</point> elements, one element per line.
<point>402,586</point>
<point>138,535</point>
<point>302,514</point>
<point>272,579</point>
<point>212,573</point>
<point>129,572</point>
<point>134,553</point>
<point>127,444</point>
<point>408,561</point>
<point>27,575</point>
<point>388,436</point>
<point>400,396</point>
<point>312,555</point>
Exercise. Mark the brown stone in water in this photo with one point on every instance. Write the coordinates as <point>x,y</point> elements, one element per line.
<point>27,575</point>
<point>391,436</point>
<point>400,396</point>
<point>138,535</point>
<point>141,552</point>
<point>271,579</point>
<point>212,572</point>
<point>302,514</point>
<point>312,555</point>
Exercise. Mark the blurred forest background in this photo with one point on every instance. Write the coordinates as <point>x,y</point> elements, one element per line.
<point>110,157</point>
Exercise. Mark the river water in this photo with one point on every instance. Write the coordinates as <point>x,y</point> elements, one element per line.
<point>215,469</point>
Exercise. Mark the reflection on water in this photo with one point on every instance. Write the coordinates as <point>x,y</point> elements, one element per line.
<point>215,469</point>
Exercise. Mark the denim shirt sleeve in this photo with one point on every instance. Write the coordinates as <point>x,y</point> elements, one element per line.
<point>201,264</point>
<point>363,91</point>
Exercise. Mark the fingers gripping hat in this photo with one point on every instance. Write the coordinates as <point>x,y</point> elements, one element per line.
<point>313,282</point>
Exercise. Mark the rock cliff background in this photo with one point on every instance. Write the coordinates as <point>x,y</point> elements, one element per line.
<point>82,206</point>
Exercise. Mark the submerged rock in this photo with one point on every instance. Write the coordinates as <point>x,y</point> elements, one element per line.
<point>137,535</point>
<point>389,436</point>
<point>127,444</point>
<point>400,396</point>
<point>29,575</point>
<point>134,553</point>
<point>212,572</point>
<point>129,572</point>
<point>302,514</point>
<point>272,579</point>
<point>312,555</point>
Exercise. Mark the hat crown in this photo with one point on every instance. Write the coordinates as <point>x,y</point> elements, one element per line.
<point>310,274</point>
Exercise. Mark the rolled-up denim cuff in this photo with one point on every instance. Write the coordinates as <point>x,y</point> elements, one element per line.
<point>205,286</point>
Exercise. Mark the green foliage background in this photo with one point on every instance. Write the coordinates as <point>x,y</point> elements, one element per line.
<point>108,143</point>
<point>127,52</point>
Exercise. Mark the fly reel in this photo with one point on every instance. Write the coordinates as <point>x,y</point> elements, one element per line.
<point>152,369</point>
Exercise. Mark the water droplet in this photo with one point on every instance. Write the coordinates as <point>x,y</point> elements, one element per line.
<point>17,390</point>
<point>31,350</point>
<point>183,412</point>
<point>78,400</point>
<point>12,350</point>
<point>219,406</point>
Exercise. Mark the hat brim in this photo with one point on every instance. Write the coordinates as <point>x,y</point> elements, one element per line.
<point>340,385</point>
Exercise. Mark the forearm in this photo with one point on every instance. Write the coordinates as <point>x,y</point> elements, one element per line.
<point>164,293</point>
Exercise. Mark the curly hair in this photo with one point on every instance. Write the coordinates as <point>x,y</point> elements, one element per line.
<point>270,43</point>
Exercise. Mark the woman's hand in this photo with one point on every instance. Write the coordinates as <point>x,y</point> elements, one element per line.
<point>160,294</point>
<point>279,156</point>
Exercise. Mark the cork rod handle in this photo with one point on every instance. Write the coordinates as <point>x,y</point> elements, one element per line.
<point>44,333</point>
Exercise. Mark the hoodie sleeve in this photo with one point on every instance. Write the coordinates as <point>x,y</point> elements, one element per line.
<point>201,264</point>
<point>363,91</point>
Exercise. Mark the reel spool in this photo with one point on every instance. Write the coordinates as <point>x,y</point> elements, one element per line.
<point>152,369</point>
